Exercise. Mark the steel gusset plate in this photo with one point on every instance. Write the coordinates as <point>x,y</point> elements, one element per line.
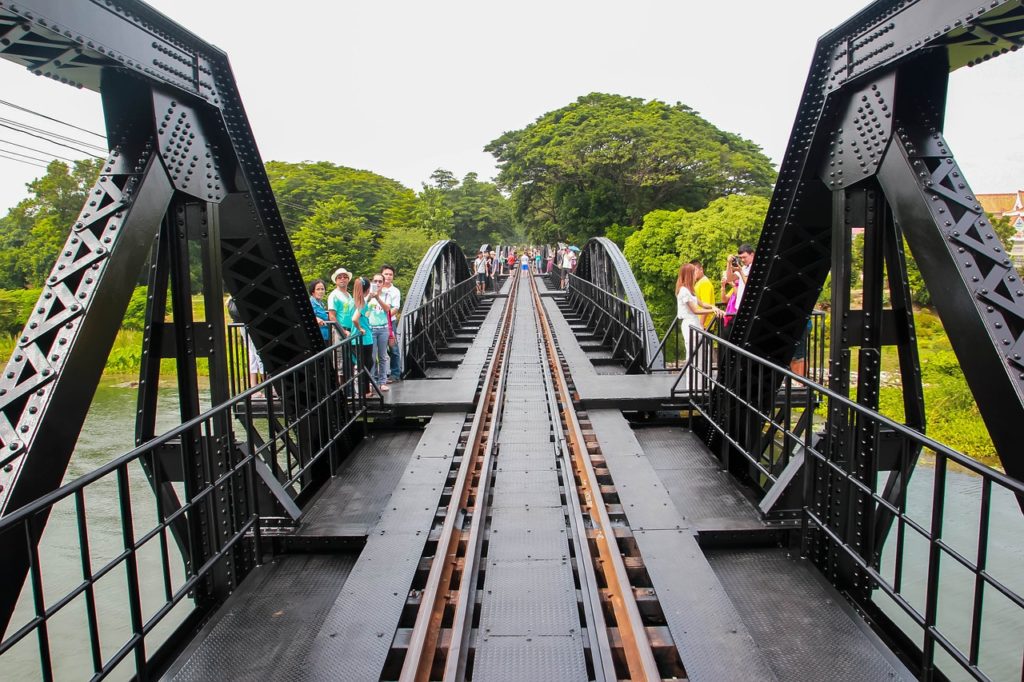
<point>603,264</point>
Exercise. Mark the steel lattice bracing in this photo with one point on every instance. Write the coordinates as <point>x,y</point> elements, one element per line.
<point>183,171</point>
<point>871,116</point>
<point>602,263</point>
<point>173,97</point>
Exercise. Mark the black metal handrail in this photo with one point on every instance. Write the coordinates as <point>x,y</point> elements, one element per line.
<point>619,324</point>
<point>671,349</point>
<point>425,331</point>
<point>175,562</point>
<point>879,573</point>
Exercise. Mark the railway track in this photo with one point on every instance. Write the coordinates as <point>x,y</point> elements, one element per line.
<point>529,571</point>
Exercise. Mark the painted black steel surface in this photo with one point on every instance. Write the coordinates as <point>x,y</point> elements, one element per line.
<point>872,111</point>
<point>173,118</point>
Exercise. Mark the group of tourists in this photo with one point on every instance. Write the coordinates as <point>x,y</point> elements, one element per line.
<point>695,295</point>
<point>696,305</point>
<point>370,314</point>
<point>488,266</point>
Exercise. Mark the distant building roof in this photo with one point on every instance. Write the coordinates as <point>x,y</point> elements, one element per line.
<point>1000,203</point>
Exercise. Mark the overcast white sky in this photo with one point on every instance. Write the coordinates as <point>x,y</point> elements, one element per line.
<point>402,87</point>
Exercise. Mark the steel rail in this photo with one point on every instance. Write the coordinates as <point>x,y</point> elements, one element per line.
<point>602,655</point>
<point>458,648</point>
<point>436,597</point>
<point>635,644</point>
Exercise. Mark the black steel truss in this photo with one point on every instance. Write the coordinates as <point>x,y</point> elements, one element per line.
<point>184,169</point>
<point>872,114</point>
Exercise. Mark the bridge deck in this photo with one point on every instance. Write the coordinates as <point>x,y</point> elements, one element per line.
<point>737,605</point>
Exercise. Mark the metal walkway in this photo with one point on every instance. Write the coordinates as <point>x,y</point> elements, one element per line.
<point>712,582</point>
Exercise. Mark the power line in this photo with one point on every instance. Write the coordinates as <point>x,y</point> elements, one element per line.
<point>59,144</point>
<point>24,127</point>
<point>49,118</point>
<point>33,149</point>
<point>27,163</point>
<point>34,158</point>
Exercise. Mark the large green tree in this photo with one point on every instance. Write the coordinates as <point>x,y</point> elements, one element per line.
<point>610,160</point>
<point>299,186</point>
<point>335,235</point>
<point>669,238</point>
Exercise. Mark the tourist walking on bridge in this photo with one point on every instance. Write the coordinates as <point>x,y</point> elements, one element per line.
<point>480,270</point>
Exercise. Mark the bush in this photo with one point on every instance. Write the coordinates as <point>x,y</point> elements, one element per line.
<point>15,307</point>
<point>135,315</point>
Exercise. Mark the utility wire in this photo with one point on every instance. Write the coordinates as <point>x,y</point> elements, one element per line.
<point>26,127</point>
<point>34,158</point>
<point>49,118</point>
<point>33,149</point>
<point>27,163</point>
<point>59,144</point>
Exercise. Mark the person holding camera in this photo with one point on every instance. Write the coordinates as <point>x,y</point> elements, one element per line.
<point>736,273</point>
<point>377,311</point>
<point>364,335</point>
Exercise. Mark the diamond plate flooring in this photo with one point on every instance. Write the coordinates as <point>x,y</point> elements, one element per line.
<point>800,624</point>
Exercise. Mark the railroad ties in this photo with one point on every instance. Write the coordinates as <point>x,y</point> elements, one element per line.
<point>532,535</point>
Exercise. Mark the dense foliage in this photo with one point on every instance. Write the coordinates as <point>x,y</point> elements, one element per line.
<point>609,160</point>
<point>356,219</point>
<point>669,238</point>
<point>33,232</point>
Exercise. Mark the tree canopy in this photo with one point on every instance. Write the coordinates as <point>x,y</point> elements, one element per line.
<point>478,212</point>
<point>33,232</point>
<point>299,186</point>
<point>610,160</point>
<point>669,238</point>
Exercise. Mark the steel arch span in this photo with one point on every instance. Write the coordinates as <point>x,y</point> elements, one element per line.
<point>602,264</point>
<point>440,296</point>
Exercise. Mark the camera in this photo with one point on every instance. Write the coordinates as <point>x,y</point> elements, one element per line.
<point>373,288</point>
<point>735,260</point>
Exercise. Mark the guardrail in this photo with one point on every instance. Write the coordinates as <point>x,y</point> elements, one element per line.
<point>426,330</point>
<point>614,321</point>
<point>153,566</point>
<point>672,348</point>
<point>902,579</point>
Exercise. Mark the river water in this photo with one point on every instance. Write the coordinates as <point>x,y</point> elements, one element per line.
<point>109,431</point>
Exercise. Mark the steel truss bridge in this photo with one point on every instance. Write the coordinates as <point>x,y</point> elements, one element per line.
<point>550,493</point>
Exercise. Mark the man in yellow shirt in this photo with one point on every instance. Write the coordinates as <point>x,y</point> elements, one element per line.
<point>705,292</point>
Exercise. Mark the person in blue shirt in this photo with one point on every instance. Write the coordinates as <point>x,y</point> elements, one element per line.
<point>317,292</point>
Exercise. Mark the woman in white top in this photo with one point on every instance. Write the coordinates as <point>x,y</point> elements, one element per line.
<point>688,307</point>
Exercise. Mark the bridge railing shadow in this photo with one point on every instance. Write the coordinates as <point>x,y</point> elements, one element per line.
<point>153,566</point>
<point>929,551</point>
